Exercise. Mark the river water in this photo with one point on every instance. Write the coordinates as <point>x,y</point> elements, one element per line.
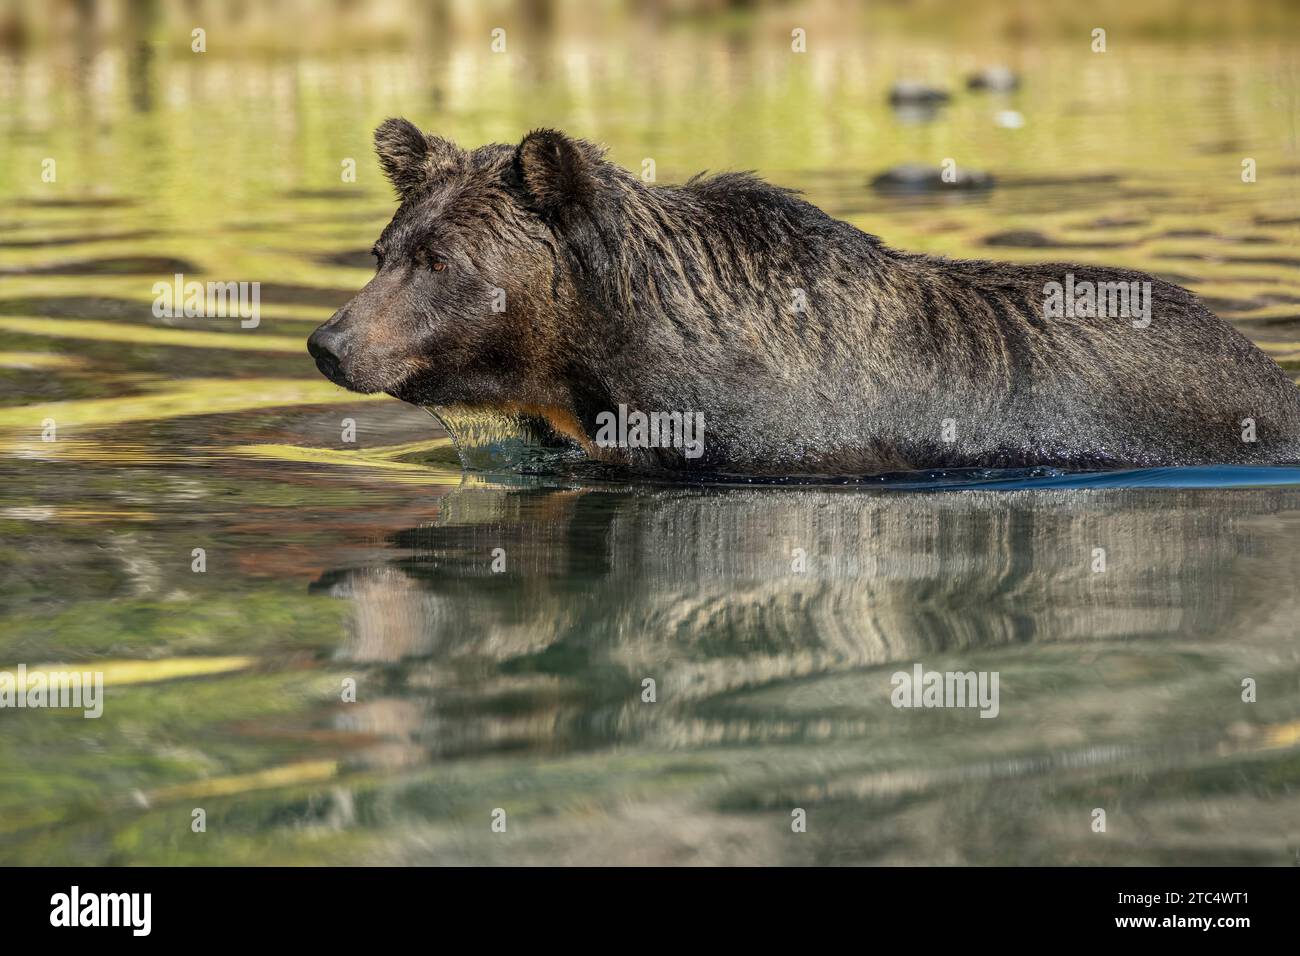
<point>381,655</point>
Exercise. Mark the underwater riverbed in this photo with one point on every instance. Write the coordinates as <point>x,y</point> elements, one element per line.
<point>378,651</point>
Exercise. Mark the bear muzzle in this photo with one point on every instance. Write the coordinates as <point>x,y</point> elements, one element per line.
<point>326,347</point>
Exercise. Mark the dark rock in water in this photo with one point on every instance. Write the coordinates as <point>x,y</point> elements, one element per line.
<point>993,79</point>
<point>911,93</point>
<point>918,178</point>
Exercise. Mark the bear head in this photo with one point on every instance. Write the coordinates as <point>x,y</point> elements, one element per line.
<point>473,298</point>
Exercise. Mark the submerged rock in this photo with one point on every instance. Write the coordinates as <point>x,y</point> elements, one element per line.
<point>919,178</point>
<point>994,79</point>
<point>911,93</point>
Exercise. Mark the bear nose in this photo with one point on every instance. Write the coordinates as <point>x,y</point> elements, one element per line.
<point>325,347</point>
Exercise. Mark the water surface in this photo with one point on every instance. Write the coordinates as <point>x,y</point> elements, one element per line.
<point>770,618</point>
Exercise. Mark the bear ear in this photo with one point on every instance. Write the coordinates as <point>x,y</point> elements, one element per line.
<point>410,158</point>
<point>557,171</point>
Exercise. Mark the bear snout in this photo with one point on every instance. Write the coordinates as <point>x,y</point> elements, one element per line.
<point>326,347</point>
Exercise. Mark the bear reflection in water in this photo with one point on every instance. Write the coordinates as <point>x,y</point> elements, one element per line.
<point>722,591</point>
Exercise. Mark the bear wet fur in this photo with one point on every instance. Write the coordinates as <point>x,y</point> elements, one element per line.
<point>808,345</point>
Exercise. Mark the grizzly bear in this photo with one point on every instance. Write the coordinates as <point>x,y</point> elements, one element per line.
<point>726,326</point>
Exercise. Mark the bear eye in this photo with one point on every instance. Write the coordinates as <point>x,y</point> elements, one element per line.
<point>437,265</point>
